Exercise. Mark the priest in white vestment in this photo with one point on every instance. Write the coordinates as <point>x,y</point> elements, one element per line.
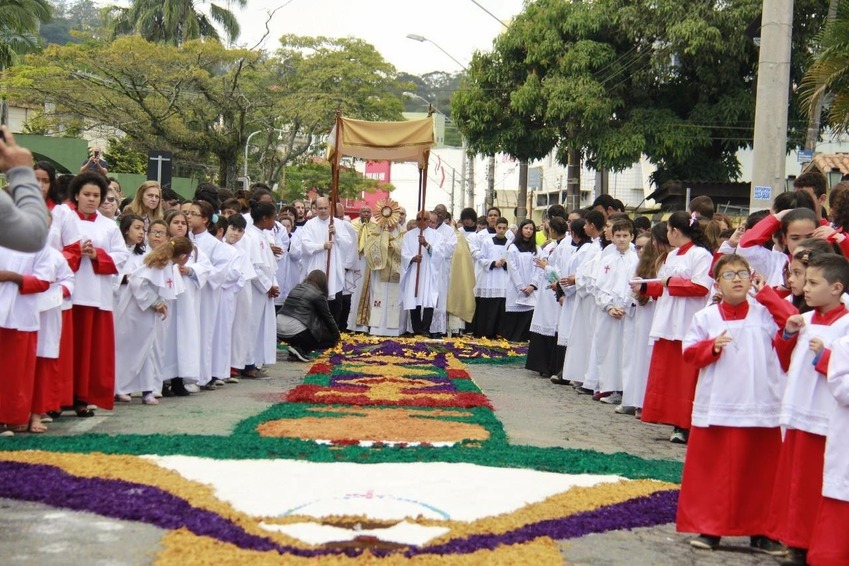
<point>421,253</point>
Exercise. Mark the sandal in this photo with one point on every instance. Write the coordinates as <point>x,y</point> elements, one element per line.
<point>84,412</point>
<point>36,428</point>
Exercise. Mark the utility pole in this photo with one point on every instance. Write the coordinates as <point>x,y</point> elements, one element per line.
<point>573,180</point>
<point>522,200</point>
<point>463,178</point>
<point>770,144</point>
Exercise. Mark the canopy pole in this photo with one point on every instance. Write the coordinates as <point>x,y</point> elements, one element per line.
<point>334,184</point>
<point>422,200</point>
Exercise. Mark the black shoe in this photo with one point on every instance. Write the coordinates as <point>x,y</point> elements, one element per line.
<point>795,557</point>
<point>766,545</point>
<point>583,391</point>
<point>178,388</point>
<point>679,435</point>
<point>705,542</point>
<point>54,414</point>
<point>294,351</point>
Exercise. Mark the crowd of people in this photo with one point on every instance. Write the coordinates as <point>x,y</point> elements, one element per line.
<point>734,336</point>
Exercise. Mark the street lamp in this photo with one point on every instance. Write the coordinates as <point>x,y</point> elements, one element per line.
<point>422,39</point>
<point>248,142</point>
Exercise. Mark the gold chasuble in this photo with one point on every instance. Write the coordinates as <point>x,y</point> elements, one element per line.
<point>461,288</point>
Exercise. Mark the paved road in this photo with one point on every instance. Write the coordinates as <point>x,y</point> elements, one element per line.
<point>534,412</point>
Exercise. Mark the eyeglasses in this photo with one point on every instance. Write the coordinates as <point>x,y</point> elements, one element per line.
<point>156,233</point>
<point>111,199</point>
<point>743,274</point>
<point>193,213</point>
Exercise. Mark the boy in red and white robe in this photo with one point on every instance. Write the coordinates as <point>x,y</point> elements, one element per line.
<point>830,541</point>
<point>22,277</point>
<point>808,404</point>
<point>735,438</point>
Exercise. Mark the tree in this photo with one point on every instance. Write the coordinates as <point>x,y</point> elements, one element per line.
<point>19,23</point>
<point>174,21</point>
<point>124,158</point>
<point>611,80</point>
<point>300,179</point>
<point>827,75</point>
<point>308,79</point>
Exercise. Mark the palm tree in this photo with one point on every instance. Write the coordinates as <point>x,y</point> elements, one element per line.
<point>173,21</point>
<point>19,23</point>
<point>828,76</point>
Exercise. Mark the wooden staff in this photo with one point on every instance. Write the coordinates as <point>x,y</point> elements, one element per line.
<point>334,184</point>
<point>422,196</point>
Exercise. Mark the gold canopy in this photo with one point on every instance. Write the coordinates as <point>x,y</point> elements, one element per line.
<point>383,141</point>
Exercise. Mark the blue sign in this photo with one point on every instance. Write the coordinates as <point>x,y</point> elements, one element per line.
<point>804,156</point>
<point>763,192</point>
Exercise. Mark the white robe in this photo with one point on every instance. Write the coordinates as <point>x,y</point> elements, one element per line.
<point>428,269</point>
<point>836,476</point>
<point>440,324</point>
<point>673,315</point>
<point>50,305</point>
<point>743,387</point>
<point>580,330</point>
<point>91,289</point>
<point>313,236</point>
<point>281,240</point>
<point>244,327</point>
<point>547,310</point>
<point>491,282</point>
<point>222,340</point>
<point>135,327</point>
<point>613,290</point>
<point>574,259</point>
<point>262,306</point>
<point>807,403</point>
<point>521,269</point>
<point>181,329</point>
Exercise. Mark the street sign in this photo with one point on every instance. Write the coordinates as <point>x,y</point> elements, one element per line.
<point>159,167</point>
<point>763,192</point>
<point>804,156</point>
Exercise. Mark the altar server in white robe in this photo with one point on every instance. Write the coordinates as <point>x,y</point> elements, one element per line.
<point>222,341</point>
<point>264,287</point>
<point>581,248</point>
<point>421,259</point>
<point>617,304</point>
<point>320,239</point>
<point>244,326</point>
<point>222,259</point>
<point>522,292</point>
<point>735,439</point>
<point>138,313</point>
<point>830,543</point>
<point>440,324</point>
<point>492,281</point>
<point>181,329</point>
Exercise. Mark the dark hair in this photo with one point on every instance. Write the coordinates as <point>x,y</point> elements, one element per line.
<point>523,245</point>
<point>171,194</point>
<point>729,259</point>
<point>813,179</point>
<point>682,222</point>
<point>261,191</point>
<point>756,217</point>
<point>725,234</point>
<point>654,253</point>
<point>124,203</point>
<point>64,183</point>
<point>702,205</point>
<point>206,210</point>
<point>835,268</point>
<point>796,215</point>
<point>558,225</point>
<point>261,210</point>
<point>642,223</point>
<point>468,214</point>
<point>838,203</point>
<point>87,178</point>
<point>595,218</point>
<point>125,225</point>
<point>604,201</point>
<point>209,193</point>
<point>618,205</point>
<point>482,221</point>
<point>318,279</point>
<point>793,199</point>
<point>495,208</point>
<point>576,227</point>
<point>237,221</point>
<point>53,190</point>
<point>502,220</point>
<point>623,225</point>
<point>288,208</point>
<point>232,204</point>
<point>556,211</point>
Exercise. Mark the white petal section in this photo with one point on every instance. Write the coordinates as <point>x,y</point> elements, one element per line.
<point>457,492</point>
<point>316,534</point>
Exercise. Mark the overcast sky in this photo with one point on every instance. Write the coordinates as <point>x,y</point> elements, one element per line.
<point>457,26</point>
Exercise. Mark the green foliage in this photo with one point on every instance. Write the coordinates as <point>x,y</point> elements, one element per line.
<point>19,23</point>
<point>300,179</point>
<point>124,158</point>
<point>173,21</point>
<point>618,79</point>
<point>71,22</point>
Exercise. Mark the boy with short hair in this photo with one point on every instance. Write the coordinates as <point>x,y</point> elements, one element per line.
<point>613,296</point>
<point>491,288</point>
<point>805,347</point>
<point>735,439</point>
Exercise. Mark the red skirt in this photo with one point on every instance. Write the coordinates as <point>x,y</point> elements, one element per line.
<point>17,375</point>
<point>798,488</point>
<point>46,375</point>
<point>94,356</point>
<point>671,386</point>
<point>728,478</point>
<point>62,394</point>
<point>830,542</point>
